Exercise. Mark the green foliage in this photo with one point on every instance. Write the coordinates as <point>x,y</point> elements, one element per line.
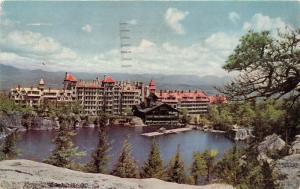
<point>268,66</point>
<point>8,106</point>
<point>198,167</point>
<point>126,167</point>
<point>64,150</point>
<point>241,169</point>
<point>185,118</point>
<point>269,119</point>
<point>9,147</point>
<point>210,160</point>
<point>176,169</point>
<point>229,169</point>
<point>100,156</point>
<point>221,117</point>
<point>154,167</point>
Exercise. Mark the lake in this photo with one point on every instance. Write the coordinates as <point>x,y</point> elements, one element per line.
<point>37,145</point>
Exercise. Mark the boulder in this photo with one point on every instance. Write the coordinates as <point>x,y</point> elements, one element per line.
<point>289,167</point>
<point>295,147</point>
<point>19,174</point>
<point>271,146</point>
<point>238,134</point>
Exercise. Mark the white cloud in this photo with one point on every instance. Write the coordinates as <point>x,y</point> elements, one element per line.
<point>234,17</point>
<point>173,17</point>
<point>87,28</point>
<point>260,22</point>
<point>132,22</point>
<point>202,58</point>
<point>34,45</point>
<point>39,24</point>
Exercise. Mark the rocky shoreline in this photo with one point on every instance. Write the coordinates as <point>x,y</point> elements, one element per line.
<point>19,174</point>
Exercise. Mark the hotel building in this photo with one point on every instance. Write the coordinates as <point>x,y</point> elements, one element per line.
<point>113,97</point>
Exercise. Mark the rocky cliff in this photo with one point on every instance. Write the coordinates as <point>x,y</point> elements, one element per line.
<point>15,174</point>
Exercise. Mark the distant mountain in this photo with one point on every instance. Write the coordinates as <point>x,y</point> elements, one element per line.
<point>12,77</point>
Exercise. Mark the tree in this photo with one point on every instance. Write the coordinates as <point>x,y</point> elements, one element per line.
<point>64,149</point>
<point>210,160</point>
<point>9,149</point>
<point>269,119</point>
<point>176,169</point>
<point>229,169</point>
<point>126,167</point>
<point>198,167</point>
<point>185,117</point>
<point>100,156</point>
<point>154,167</point>
<point>268,66</point>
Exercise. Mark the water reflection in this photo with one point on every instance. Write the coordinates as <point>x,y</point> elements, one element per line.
<point>37,145</point>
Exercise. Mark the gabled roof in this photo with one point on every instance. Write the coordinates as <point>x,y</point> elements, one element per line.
<point>146,110</point>
<point>70,77</point>
<point>108,79</point>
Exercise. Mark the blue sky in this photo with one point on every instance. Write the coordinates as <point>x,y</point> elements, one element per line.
<point>165,37</point>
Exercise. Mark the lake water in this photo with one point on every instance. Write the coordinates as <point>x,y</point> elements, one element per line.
<point>37,145</point>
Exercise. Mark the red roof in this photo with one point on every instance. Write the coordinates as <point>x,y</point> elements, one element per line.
<point>152,85</point>
<point>70,77</point>
<point>108,79</point>
<point>217,99</point>
<point>182,96</point>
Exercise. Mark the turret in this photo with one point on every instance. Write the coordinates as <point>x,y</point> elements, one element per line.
<point>152,86</point>
<point>41,84</point>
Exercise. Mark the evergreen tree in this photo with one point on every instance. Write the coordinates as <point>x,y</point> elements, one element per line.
<point>126,167</point>
<point>9,148</point>
<point>229,169</point>
<point>100,156</point>
<point>153,168</point>
<point>210,158</point>
<point>198,167</point>
<point>64,149</point>
<point>176,169</point>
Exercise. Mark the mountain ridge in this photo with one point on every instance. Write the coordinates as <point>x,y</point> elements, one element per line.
<point>11,77</point>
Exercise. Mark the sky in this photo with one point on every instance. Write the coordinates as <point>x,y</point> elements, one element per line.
<point>161,37</point>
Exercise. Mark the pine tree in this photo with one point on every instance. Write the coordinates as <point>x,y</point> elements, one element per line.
<point>198,167</point>
<point>64,149</point>
<point>9,149</point>
<point>210,158</point>
<point>176,169</point>
<point>126,167</point>
<point>229,169</point>
<point>154,168</point>
<point>100,156</point>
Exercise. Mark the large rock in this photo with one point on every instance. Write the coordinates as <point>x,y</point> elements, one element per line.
<point>295,147</point>
<point>15,174</point>
<point>272,145</point>
<point>289,167</point>
<point>240,134</point>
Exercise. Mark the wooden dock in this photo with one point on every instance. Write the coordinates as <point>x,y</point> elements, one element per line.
<point>166,132</point>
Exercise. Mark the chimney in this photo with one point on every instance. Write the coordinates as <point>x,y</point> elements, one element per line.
<point>189,90</point>
<point>19,87</point>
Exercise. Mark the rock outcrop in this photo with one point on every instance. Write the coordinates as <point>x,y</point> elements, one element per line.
<point>15,174</point>
<point>289,167</point>
<point>238,134</point>
<point>295,148</point>
<point>271,146</point>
